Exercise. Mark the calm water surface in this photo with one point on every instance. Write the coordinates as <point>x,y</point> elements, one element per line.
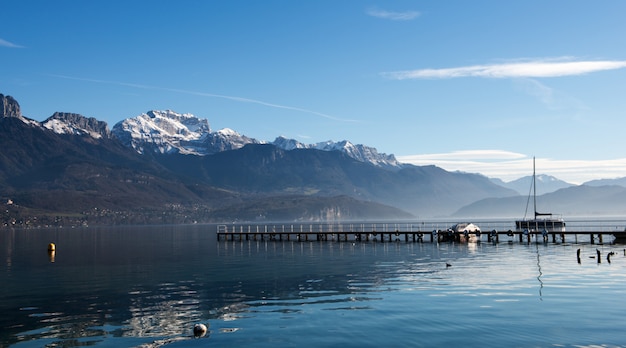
<point>129,287</point>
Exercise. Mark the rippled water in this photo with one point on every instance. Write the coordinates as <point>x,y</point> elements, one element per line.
<point>125,287</point>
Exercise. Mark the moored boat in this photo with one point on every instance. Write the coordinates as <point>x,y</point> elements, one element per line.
<point>541,221</point>
<point>466,232</point>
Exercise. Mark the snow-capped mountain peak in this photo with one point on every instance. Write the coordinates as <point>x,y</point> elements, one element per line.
<point>172,124</point>
<point>288,144</point>
<point>168,132</point>
<point>171,132</point>
<point>70,123</point>
<point>359,152</point>
<point>163,132</point>
<point>545,184</point>
<point>227,132</point>
<point>228,139</point>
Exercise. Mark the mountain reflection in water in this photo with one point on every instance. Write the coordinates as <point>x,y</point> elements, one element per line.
<point>148,286</point>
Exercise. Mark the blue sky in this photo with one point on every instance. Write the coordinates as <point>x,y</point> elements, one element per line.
<point>477,86</point>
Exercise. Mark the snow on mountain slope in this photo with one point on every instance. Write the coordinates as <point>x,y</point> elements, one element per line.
<point>70,123</point>
<point>162,132</point>
<point>227,139</point>
<point>545,184</point>
<point>359,152</point>
<point>288,144</point>
<point>171,132</point>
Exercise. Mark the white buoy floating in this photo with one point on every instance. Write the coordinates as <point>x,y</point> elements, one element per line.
<point>199,330</point>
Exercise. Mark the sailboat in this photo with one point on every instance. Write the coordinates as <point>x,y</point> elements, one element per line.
<point>542,221</point>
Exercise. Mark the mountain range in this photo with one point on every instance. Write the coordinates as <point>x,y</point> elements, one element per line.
<point>167,167</point>
<point>545,184</point>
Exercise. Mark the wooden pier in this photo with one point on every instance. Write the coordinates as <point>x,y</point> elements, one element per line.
<point>410,233</point>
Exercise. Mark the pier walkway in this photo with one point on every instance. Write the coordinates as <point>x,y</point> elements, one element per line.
<point>423,232</point>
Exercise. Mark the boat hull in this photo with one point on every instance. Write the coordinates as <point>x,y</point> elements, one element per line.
<point>463,233</point>
<point>539,225</point>
<point>469,238</point>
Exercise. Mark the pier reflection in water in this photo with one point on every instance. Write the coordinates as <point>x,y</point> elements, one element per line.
<point>150,286</point>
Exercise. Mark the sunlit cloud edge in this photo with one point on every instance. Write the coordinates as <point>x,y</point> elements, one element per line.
<point>519,69</point>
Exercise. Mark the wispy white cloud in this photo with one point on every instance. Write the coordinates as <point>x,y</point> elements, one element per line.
<point>552,98</point>
<point>392,15</point>
<point>525,69</point>
<point>471,154</point>
<point>510,165</point>
<point>211,95</point>
<point>5,43</point>
<point>537,89</point>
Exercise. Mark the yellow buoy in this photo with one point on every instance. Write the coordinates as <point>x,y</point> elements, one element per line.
<point>52,247</point>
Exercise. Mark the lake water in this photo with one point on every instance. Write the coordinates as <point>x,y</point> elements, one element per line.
<point>148,286</point>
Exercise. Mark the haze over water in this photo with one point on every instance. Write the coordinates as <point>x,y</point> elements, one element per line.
<point>148,286</point>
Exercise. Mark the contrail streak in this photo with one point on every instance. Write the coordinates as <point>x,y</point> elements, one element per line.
<point>210,95</point>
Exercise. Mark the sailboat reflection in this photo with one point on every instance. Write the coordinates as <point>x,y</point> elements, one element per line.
<point>540,274</point>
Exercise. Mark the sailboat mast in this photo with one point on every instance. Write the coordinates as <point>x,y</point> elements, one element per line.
<point>534,189</point>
